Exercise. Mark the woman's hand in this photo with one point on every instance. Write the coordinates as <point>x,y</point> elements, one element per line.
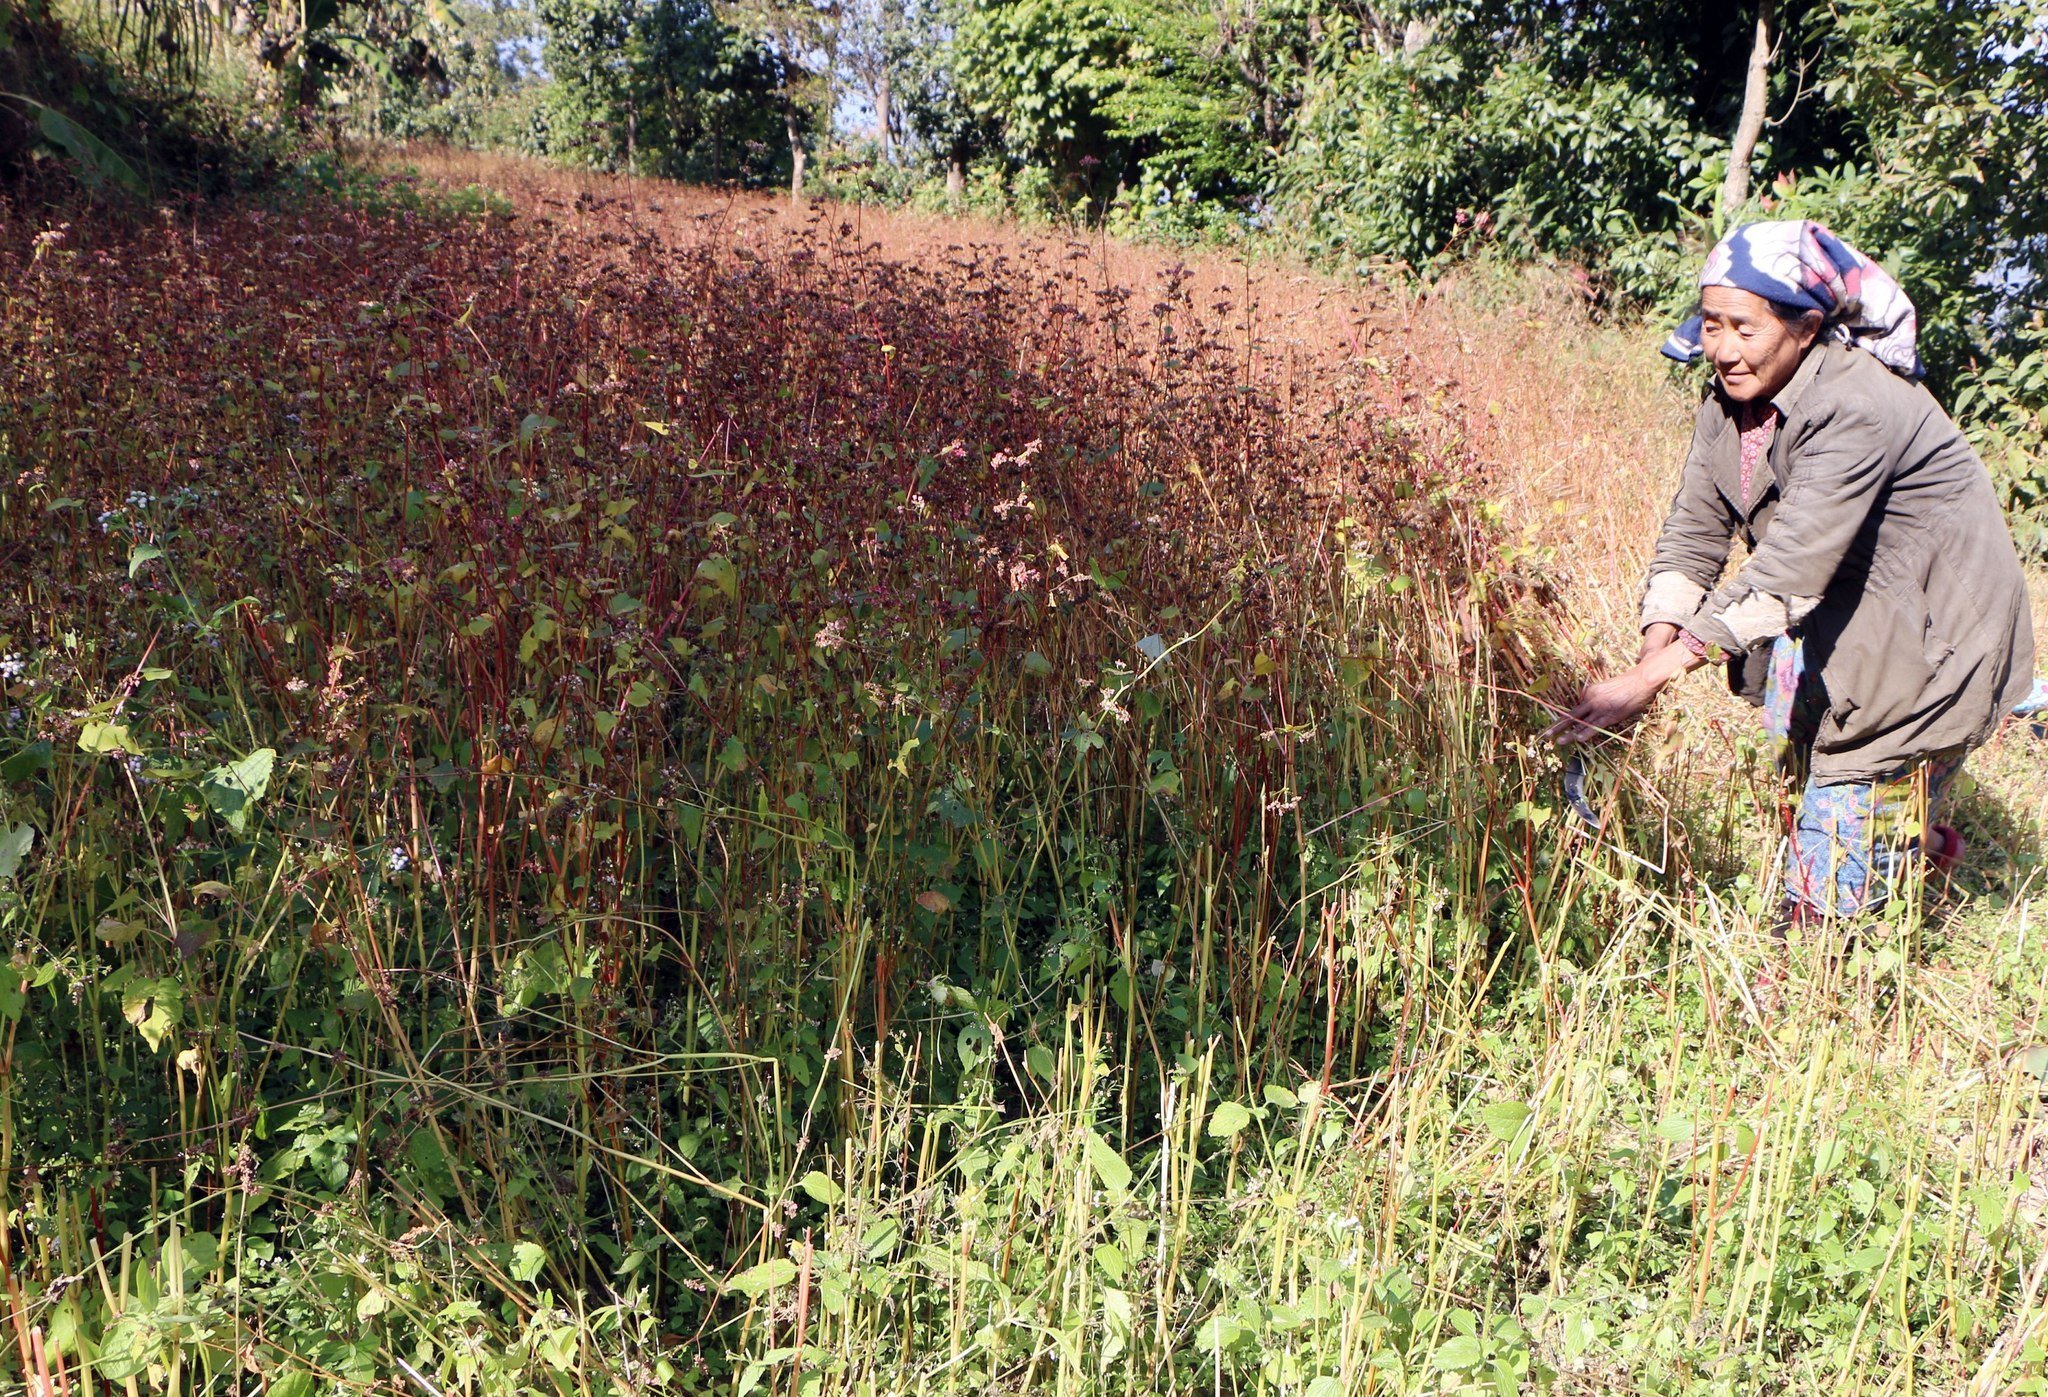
<point>1611,706</point>
<point>1656,638</point>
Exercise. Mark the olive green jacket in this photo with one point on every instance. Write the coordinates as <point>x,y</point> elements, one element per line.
<point>1877,539</point>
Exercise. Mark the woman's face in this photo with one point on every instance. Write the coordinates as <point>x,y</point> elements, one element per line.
<point>1753,351</point>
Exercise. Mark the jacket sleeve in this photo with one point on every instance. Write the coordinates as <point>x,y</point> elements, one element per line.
<point>1838,476</point>
<point>1692,548</point>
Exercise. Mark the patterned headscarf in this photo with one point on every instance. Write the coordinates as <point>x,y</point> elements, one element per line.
<point>1797,262</point>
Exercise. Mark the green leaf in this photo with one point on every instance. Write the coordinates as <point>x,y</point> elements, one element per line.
<point>106,739</point>
<point>14,846</point>
<point>529,1259</point>
<point>1458,1354</point>
<point>154,1007</point>
<point>821,1188</point>
<point>538,634</point>
<point>1504,1119</point>
<point>1229,1119</point>
<point>1036,664</point>
<point>1219,1331</point>
<point>431,1164</point>
<point>232,791</point>
<point>97,160</point>
<point>750,1380</point>
<point>34,758</point>
<point>112,931</point>
<point>143,554</point>
<point>720,573</point>
<point>1108,1165</point>
<point>1116,1323</point>
<point>365,54</point>
<point>297,1383</point>
<point>975,1045</point>
<point>756,1281</point>
<point>126,1348</point>
<point>881,1239</point>
<point>535,424</point>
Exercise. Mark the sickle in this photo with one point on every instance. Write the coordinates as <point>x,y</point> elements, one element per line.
<point>1575,791</point>
<point>1588,818</point>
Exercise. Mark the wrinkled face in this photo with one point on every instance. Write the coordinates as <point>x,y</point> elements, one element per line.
<point>1753,351</point>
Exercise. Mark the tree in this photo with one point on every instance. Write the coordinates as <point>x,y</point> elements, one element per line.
<point>1942,173</point>
<point>874,49</point>
<point>662,87</point>
<point>1755,95</point>
<point>1039,71</point>
<point>803,35</point>
<point>1943,177</point>
<point>928,89</point>
<point>1207,95</point>
<point>482,91</point>
<point>1541,131</point>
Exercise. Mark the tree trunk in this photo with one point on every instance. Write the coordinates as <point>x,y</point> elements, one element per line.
<point>882,117</point>
<point>796,154</point>
<point>956,180</point>
<point>1755,93</point>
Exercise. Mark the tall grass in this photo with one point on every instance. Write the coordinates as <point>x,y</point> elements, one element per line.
<point>599,801</point>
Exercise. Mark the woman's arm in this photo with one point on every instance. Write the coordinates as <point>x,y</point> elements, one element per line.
<point>1611,706</point>
<point>1692,551</point>
<point>1692,547</point>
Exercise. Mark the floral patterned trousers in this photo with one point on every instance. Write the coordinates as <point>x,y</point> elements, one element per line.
<point>1849,845</point>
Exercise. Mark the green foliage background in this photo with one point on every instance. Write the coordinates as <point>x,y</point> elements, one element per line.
<point>668,78</point>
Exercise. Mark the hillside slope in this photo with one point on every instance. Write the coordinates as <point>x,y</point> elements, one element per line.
<point>657,792</point>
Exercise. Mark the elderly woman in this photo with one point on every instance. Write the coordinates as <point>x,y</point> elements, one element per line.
<point>1880,618</point>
